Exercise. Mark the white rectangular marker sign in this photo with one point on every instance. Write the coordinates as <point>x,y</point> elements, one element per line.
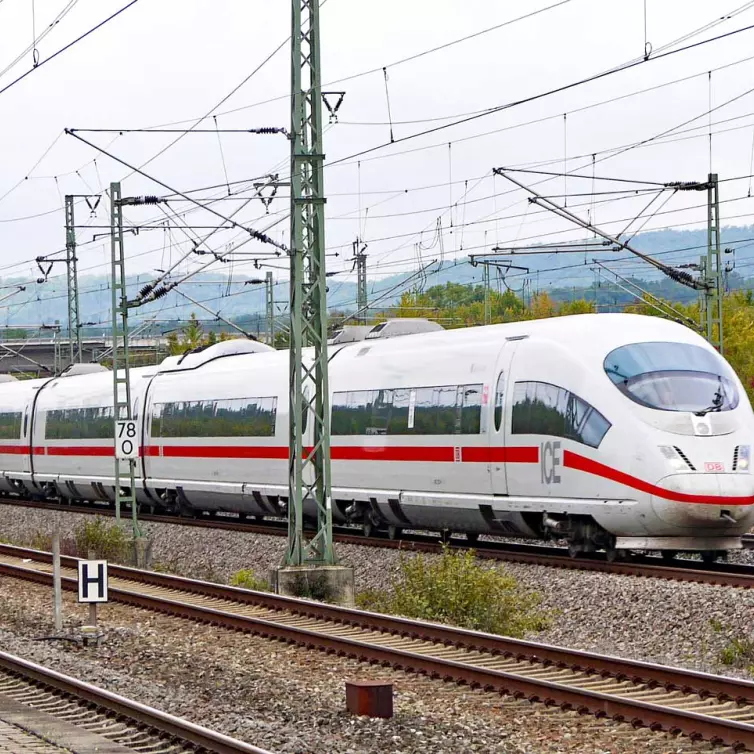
<point>92,581</point>
<point>126,442</point>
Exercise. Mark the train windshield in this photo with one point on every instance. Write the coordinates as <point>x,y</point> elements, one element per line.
<point>673,377</point>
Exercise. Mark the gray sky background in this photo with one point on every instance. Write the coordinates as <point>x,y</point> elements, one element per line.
<point>165,61</point>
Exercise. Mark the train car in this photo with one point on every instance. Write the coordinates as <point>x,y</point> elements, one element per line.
<point>68,427</point>
<point>612,431</point>
<point>16,401</point>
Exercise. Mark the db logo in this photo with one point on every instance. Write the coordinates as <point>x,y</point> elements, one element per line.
<point>714,467</point>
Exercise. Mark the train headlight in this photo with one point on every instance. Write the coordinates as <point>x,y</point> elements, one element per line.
<point>744,457</point>
<point>673,457</point>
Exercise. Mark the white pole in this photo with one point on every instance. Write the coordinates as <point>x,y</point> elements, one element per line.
<point>58,596</point>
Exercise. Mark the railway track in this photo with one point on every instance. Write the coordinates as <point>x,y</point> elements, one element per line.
<point>66,711</point>
<point>704,707</point>
<point>721,574</point>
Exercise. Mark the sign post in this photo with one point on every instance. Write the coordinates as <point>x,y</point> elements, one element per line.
<point>126,445</point>
<point>56,582</point>
<point>93,588</point>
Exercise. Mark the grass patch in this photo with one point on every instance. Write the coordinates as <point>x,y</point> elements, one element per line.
<point>738,653</point>
<point>247,579</point>
<point>455,589</point>
<point>107,541</point>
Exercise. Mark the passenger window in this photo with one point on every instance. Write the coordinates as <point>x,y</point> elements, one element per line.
<point>442,410</point>
<point>499,398</point>
<point>229,417</point>
<point>543,409</point>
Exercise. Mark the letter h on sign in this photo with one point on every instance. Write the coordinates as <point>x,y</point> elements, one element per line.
<point>92,581</point>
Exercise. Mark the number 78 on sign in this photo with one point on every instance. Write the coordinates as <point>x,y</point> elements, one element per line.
<point>126,441</point>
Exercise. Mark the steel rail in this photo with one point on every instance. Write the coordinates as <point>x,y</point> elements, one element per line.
<point>192,734</point>
<point>648,678</point>
<point>638,671</point>
<point>718,574</point>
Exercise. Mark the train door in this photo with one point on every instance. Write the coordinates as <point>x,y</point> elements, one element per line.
<point>499,418</point>
<point>26,439</point>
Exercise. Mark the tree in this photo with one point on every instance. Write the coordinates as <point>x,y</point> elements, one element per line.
<point>192,336</point>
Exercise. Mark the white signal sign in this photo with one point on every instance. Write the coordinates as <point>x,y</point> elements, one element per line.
<point>126,442</point>
<point>92,581</point>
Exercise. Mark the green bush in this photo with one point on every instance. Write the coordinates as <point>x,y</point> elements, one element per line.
<point>107,541</point>
<point>247,579</point>
<point>739,653</point>
<point>455,589</point>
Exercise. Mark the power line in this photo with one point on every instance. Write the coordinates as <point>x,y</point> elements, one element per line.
<point>255,234</point>
<point>540,95</point>
<point>68,46</point>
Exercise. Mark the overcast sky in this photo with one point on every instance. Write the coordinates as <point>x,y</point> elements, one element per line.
<point>167,61</point>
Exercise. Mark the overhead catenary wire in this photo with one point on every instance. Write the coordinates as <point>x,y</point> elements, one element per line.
<point>462,224</point>
<point>255,234</point>
<point>68,46</point>
<point>540,95</point>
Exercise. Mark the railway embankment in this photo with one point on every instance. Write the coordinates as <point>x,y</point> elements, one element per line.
<point>289,698</point>
<point>696,626</point>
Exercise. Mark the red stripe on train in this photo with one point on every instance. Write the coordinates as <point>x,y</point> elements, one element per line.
<point>500,455</point>
<point>427,454</point>
<point>221,451</point>
<point>14,450</point>
<point>79,450</point>
<point>578,462</point>
<point>391,453</point>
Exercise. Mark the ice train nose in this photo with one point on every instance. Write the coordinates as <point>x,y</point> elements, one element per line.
<point>724,501</point>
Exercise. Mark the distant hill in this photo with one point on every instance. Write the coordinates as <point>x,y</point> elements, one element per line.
<point>563,275</point>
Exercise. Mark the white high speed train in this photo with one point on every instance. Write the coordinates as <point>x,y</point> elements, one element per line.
<point>613,431</point>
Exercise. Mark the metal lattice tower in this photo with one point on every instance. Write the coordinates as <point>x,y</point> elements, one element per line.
<point>125,488</point>
<point>712,270</point>
<point>308,462</point>
<point>362,298</point>
<point>270,298</point>
<point>74,323</point>
<point>486,283</point>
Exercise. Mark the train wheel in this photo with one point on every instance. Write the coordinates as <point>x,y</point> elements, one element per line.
<point>574,550</point>
<point>394,532</point>
<point>472,537</point>
<point>367,529</point>
<point>669,555</point>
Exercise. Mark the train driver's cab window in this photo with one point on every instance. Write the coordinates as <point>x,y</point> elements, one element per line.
<point>499,398</point>
<point>673,377</point>
<point>543,409</point>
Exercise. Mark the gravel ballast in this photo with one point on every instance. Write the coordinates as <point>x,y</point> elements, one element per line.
<point>291,700</point>
<point>269,693</point>
<point>675,623</point>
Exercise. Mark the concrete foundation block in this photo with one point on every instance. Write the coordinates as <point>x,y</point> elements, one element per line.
<point>140,554</point>
<point>332,584</point>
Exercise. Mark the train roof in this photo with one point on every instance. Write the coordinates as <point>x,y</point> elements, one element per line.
<point>600,330</point>
<point>591,333</point>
